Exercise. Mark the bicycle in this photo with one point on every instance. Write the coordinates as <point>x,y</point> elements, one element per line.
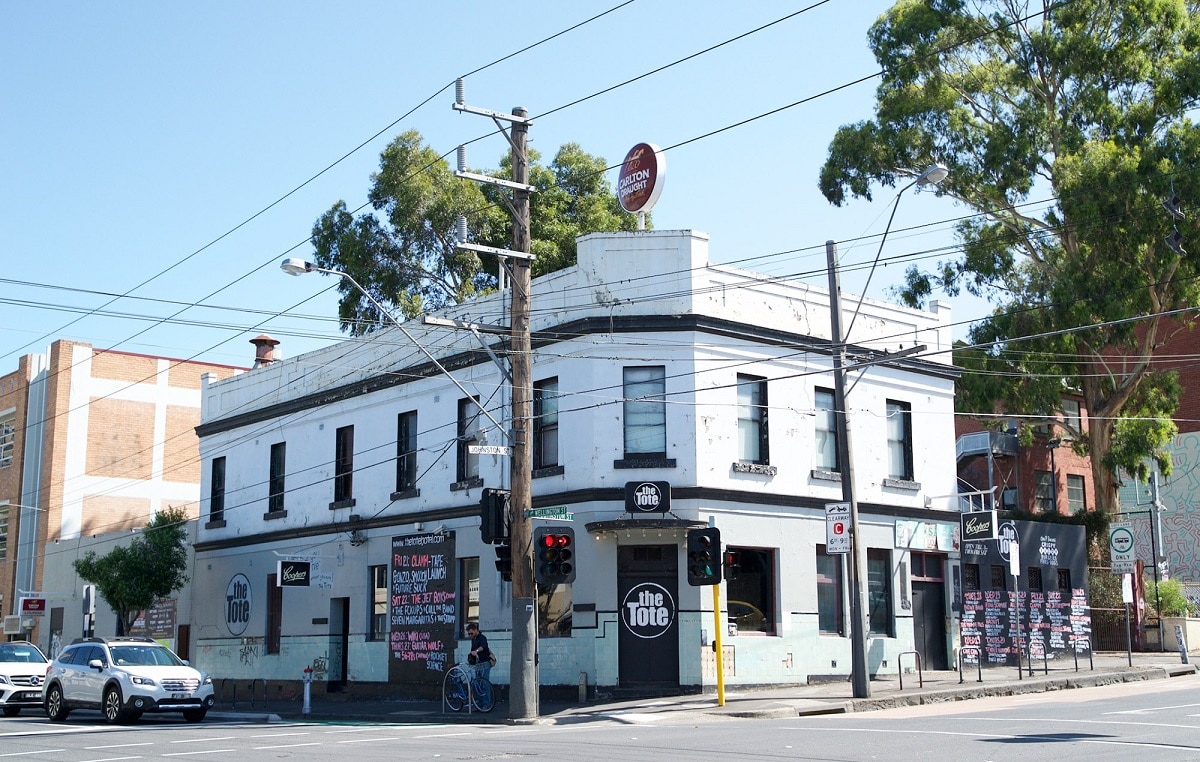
<point>461,688</point>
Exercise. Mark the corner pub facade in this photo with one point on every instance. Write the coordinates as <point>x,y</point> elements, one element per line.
<point>340,517</point>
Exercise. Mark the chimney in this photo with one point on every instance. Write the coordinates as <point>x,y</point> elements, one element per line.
<point>264,350</point>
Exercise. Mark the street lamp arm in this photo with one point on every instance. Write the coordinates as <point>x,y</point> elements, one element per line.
<point>295,266</point>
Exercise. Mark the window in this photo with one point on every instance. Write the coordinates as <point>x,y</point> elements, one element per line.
<point>1075,494</point>
<point>752,419</point>
<point>545,423</point>
<point>278,466</point>
<point>468,435</point>
<point>406,451</point>
<point>899,440</point>
<point>1071,418</point>
<point>927,566</point>
<point>343,465</point>
<point>8,437</point>
<point>216,495</point>
<point>377,628</point>
<point>645,412</point>
<point>468,584</point>
<point>274,614</point>
<point>1043,495</point>
<point>879,591</point>
<point>829,592</point>
<point>999,577</point>
<point>827,432</point>
<point>751,593</point>
<point>1034,575</point>
<point>1064,579</point>
<point>971,577</point>
<point>3,532</point>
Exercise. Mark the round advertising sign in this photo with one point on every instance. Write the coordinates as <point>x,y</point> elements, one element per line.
<point>648,610</point>
<point>237,604</point>
<point>1121,540</point>
<point>1007,537</point>
<point>641,179</point>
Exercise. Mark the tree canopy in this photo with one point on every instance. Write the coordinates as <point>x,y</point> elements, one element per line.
<point>1064,126</point>
<point>404,252</point>
<point>132,578</point>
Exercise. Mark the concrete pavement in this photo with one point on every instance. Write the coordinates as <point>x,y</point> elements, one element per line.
<point>790,701</point>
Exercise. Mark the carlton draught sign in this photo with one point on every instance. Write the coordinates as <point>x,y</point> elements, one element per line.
<point>641,179</point>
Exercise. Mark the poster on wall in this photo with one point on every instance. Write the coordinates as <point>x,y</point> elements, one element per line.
<point>422,608</point>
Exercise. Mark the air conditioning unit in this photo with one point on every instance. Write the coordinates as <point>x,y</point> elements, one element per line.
<point>12,625</point>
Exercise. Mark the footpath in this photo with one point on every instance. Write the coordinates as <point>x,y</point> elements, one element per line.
<point>888,690</point>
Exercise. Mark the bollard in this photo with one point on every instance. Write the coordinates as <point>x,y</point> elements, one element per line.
<point>582,687</point>
<point>308,672</point>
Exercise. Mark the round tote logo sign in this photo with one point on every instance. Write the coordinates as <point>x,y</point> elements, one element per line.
<point>648,610</point>
<point>237,604</point>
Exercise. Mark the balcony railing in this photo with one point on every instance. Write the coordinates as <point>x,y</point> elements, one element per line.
<point>977,443</point>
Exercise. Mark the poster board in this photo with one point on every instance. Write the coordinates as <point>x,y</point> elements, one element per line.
<point>422,608</point>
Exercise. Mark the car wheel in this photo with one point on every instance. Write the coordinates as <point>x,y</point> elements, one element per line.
<point>12,711</point>
<point>195,715</point>
<point>113,711</point>
<point>56,707</point>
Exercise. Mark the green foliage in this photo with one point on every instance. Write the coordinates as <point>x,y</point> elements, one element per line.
<point>1095,525</point>
<point>133,577</point>
<point>1063,133</point>
<point>1170,599</point>
<point>404,252</point>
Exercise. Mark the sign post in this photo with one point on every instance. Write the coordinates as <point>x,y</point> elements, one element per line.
<point>1014,567</point>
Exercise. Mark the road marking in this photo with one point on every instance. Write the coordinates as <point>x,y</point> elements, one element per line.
<point>118,746</point>
<point>26,753</point>
<point>442,735</point>
<point>279,735</point>
<point>205,740</point>
<point>367,740</point>
<point>205,751</point>
<point>1154,709</point>
<point>286,746</point>
<point>107,759</point>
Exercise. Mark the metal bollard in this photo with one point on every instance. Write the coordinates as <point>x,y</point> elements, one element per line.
<point>308,672</point>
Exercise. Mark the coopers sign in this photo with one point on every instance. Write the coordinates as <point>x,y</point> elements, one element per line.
<point>641,179</point>
<point>294,573</point>
<point>978,526</point>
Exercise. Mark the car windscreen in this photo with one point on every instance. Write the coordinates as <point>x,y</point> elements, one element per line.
<point>20,653</point>
<point>144,656</point>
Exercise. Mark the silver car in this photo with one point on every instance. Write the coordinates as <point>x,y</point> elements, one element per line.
<point>22,676</point>
<point>123,678</point>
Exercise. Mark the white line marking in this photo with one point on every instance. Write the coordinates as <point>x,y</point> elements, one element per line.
<point>279,735</point>
<point>1154,709</point>
<point>286,746</point>
<point>107,759</point>
<point>39,751</point>
<point>367,740</point>
<point>118,746</point>
<point>205,751</point>
<point>205,740</point>
<point>442,735</point>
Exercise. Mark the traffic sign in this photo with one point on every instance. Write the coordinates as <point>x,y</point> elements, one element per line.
<point>837,528</point>
<point>489,450</point>
<point>559,512</point>
<point>1121,547</point>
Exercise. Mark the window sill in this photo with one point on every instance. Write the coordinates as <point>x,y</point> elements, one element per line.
<point>271,515</point>
<point>474,481</point>
<point>904,484</point>
<point>540,473</point>
<point>762,469</point>
<point>651,462</point>
<point>218,524</point>
<point>825,476</point>
<point>406,494</point>
<point>336,504</point>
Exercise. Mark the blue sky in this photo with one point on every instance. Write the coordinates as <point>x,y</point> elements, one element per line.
<point>142,136</point>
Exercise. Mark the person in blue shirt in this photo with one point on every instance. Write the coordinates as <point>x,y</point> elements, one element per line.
<point>480,650</point>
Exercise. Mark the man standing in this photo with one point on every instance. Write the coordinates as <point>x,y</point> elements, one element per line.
<point>480,650</point>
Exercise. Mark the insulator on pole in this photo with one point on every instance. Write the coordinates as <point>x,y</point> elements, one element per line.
<point>462,158</point>
<point>462,228</point>
<point>460,91</point>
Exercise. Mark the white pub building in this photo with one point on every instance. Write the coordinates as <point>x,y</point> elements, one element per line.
<point>340,519</point>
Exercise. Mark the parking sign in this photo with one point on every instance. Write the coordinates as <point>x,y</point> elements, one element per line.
<point>837,528</point>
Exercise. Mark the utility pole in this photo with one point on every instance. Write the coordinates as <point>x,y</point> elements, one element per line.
<point>858,636</point>
<point>523,698</point>
<point>523,676</point>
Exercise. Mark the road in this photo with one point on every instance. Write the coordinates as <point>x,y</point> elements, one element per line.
<point>1154,720</point>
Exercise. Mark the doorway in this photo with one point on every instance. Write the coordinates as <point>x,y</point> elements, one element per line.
<point>647,603</point>
<point>339,644</point>
<point>929,608</point>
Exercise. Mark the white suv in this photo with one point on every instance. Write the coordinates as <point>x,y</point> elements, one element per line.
<point>124,677</point>
<point>22,675</point>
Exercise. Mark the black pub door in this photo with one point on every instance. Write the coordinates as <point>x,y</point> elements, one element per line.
<point>648,610</point>
<point>929,608</point>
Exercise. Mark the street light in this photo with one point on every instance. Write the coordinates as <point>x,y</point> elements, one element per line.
<point>858,636</point>
<point>297,266</point>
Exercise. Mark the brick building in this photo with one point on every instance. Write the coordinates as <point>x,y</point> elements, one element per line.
<point>92,442</point>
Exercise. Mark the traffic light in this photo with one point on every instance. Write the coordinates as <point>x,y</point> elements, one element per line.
<point>493,516</point>
<point>704,556</point>
<point>733,564</point>
<point>554,556</point>
<point>504,562</point>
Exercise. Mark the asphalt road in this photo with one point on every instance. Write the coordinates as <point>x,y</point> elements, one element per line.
<point>1157,720</point>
